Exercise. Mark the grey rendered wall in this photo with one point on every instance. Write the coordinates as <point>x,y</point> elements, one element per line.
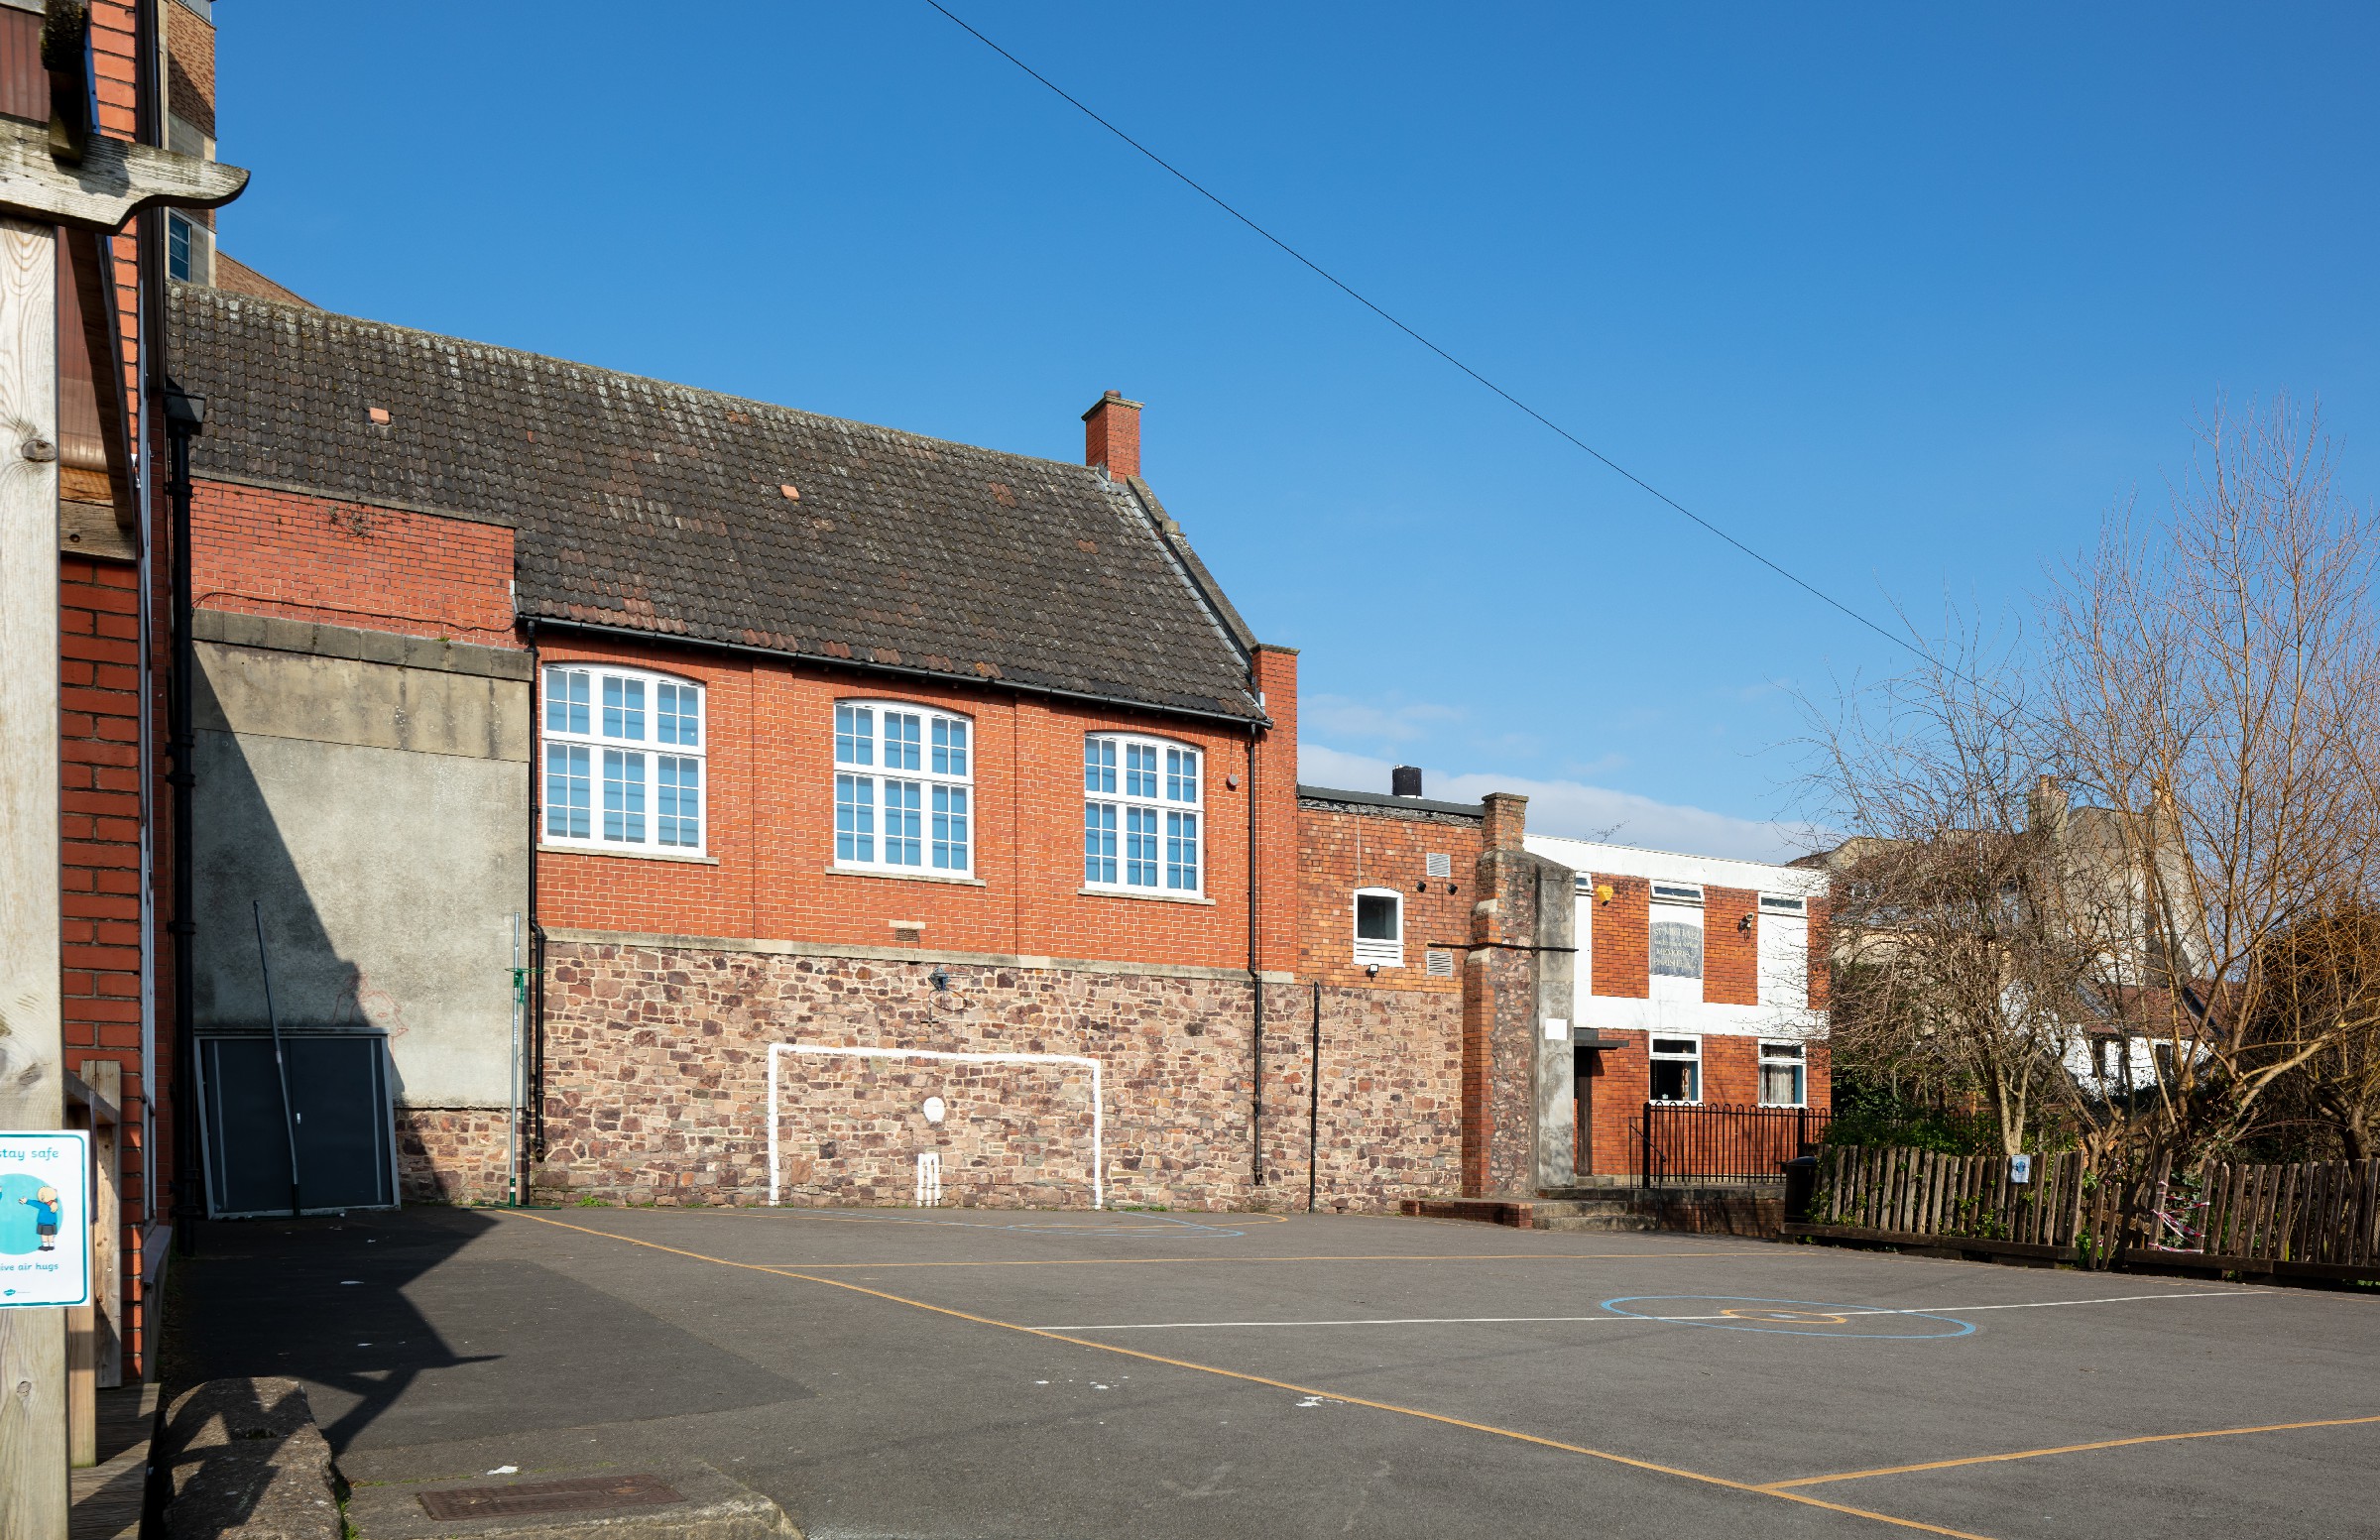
<point>372,790</point>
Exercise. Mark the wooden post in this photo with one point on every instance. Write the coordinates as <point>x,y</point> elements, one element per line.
<point>106,1080</point>
<point>33,1342</point>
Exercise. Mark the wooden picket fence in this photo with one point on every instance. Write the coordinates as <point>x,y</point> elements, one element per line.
<point>2314,1219</point>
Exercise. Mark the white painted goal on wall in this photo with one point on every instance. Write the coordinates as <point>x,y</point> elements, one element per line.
<point>778,1051</point>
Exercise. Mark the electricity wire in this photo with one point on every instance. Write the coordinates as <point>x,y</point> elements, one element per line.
<point>1332,279</point>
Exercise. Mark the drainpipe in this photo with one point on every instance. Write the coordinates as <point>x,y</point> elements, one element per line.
<point>537,931</point>
<point>183,418</point>
<point>1256,984</point>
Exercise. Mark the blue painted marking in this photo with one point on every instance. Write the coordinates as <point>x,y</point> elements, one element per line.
<point>1689,1304</point>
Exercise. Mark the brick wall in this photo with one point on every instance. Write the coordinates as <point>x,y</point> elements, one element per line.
<point>266,552</point>
<point>1731,946</point>
<point>771,840</point>
<point>1340,851</point>
<point>1621,948</point>
<point>1621,1082</point>
<point>99,827</point>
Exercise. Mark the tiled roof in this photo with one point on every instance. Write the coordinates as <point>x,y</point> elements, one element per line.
<point>657,507</point>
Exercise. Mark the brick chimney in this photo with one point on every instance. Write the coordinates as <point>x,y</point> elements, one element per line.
<point>1111,435</point>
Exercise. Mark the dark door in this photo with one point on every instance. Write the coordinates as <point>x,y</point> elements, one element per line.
<point>339,1092</point>
<point>1586,1065</point>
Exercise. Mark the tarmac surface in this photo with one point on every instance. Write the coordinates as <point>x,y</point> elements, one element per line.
<point>978,1374</point>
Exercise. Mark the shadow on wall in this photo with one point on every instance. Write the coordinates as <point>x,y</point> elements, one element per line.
<point>243,858</point>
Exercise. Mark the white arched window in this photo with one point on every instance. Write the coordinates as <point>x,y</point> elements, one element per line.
<point>1380,927</point>
<point>905,776</point>
<point>624,760</point>
<point>1142,799</point>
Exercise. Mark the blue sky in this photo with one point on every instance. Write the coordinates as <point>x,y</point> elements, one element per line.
<point>1906,297</point>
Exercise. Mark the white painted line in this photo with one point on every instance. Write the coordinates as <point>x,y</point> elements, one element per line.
<point>1927,1310</point>
<point>1098,1196</point>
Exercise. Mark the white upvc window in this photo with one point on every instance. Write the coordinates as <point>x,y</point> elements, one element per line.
<point>1677,1070</point>
<point>1784,1074</point>
<point>1141,804</point>
<point>904,784</point>
<point>1380,927</point>
<point>1784,951</point>
<point>624,752</point>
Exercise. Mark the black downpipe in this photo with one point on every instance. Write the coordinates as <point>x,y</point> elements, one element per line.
<point>536,932</point>
<point>1255,982</point>
<point>1314,1107</point>
<point>183,418</point>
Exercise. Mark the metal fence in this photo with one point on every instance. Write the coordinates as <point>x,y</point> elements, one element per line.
<point>1681,1141</point>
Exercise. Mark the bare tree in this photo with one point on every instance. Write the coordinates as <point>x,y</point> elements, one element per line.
<point>2150,824</point>
<point>2214,678</point>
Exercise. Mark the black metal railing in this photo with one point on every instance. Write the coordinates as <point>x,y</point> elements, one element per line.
<point>1679,1141</point>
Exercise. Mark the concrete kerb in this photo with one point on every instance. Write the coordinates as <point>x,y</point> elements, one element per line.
<point>710,1506</point>
<point>243,1461</point>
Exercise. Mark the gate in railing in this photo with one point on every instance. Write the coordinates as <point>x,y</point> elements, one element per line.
<point>1685,1142</point>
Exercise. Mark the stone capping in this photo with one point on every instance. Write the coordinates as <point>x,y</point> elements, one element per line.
<point>1372,804</point>
<point>898,954</point>
<point>277,633</point>
<point>242,1459</point>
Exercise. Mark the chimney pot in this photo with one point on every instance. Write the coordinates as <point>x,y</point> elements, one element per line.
<point>1404,781</point>
<point>1111,435</point>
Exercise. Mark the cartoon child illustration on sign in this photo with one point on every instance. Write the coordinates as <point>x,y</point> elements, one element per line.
<point>45,1215</point>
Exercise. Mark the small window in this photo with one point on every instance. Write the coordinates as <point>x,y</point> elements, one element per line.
<point>624,760</point>
<point>904,788</point>
<point>1677,950</point>
<point>1784,1074</point>
<point>1438,964</point>
<point>1780,906</point>
<point>1437,864</point>
<point>1677,1070</point>
<point>178,248</point>
<point>1379,928</point>
<point>1141,804</point>
<point>1677,892</point>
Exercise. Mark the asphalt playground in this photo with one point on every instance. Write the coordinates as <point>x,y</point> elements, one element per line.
<point>971,1373</point>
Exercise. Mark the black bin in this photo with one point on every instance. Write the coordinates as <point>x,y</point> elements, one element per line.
<point>1801,1187</point>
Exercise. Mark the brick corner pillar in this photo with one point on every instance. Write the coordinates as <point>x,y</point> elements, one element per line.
<point>1111,435</point>
<point>1518,1107</point>
<point>1273,673</point>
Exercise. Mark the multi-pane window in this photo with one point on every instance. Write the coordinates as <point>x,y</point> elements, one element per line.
<point>904,780</point>
<point>1380,927</point>
<point>1677,1070</point>
<point>1141,800</point>
<point>624,760</point>
<point>1784,1074</point>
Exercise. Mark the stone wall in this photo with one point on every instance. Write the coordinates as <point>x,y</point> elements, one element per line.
<point>657,1083</point>
<point>452,1154</point>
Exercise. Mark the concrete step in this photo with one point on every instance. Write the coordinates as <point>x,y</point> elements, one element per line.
<point>1603,1218</point>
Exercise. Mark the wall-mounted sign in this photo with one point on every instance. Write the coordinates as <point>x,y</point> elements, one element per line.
<point>45,1218</point>
<point>2020,1169</point>
<point>1557,1029</point>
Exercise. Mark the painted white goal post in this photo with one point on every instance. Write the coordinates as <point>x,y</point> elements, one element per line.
<point>1099,1195</point>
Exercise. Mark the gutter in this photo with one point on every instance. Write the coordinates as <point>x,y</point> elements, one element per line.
<point>630,633</point>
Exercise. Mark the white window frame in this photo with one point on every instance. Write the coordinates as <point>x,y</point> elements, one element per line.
<point>1371,952</point>
<point>1797,1056</point>
<point>1781,963</point>
<point>1677,903</point>
<point>1653,1055</point>
<point>606,775</point>
<point>1145,825</point>
<point>903,792</point>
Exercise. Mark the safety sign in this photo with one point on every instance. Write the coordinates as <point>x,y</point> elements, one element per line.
<point>45,1218</point>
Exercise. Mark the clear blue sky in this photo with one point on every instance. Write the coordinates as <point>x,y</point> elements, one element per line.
<point>1905,298</point>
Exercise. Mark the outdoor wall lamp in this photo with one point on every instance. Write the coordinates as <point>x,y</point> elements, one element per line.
<point>939,978</point>
<point>1744,925</point>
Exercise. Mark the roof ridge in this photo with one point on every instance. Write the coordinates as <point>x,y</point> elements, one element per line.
<point>322,315</point>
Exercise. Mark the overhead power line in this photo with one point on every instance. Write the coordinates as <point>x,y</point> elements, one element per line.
<point>1332,279</point>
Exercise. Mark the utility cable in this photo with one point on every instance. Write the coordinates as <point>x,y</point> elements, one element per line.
<point>1348,289</point>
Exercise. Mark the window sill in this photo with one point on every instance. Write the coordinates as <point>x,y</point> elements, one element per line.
<point>1144,898</point>
<point>1380,962</point>
<point>906,876</point>
<point>626,855</point>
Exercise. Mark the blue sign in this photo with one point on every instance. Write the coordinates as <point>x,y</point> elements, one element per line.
<point>2020,1169</point>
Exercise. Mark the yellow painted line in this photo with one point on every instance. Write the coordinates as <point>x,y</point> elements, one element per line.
<point>1295,1389</point>
<point>2069,1449</point>
<point>1243,1262</point>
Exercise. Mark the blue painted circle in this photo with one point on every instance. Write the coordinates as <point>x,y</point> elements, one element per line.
<point>1784,1317</point>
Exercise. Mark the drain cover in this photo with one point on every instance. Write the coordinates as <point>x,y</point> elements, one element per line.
<point>584,1494</point>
